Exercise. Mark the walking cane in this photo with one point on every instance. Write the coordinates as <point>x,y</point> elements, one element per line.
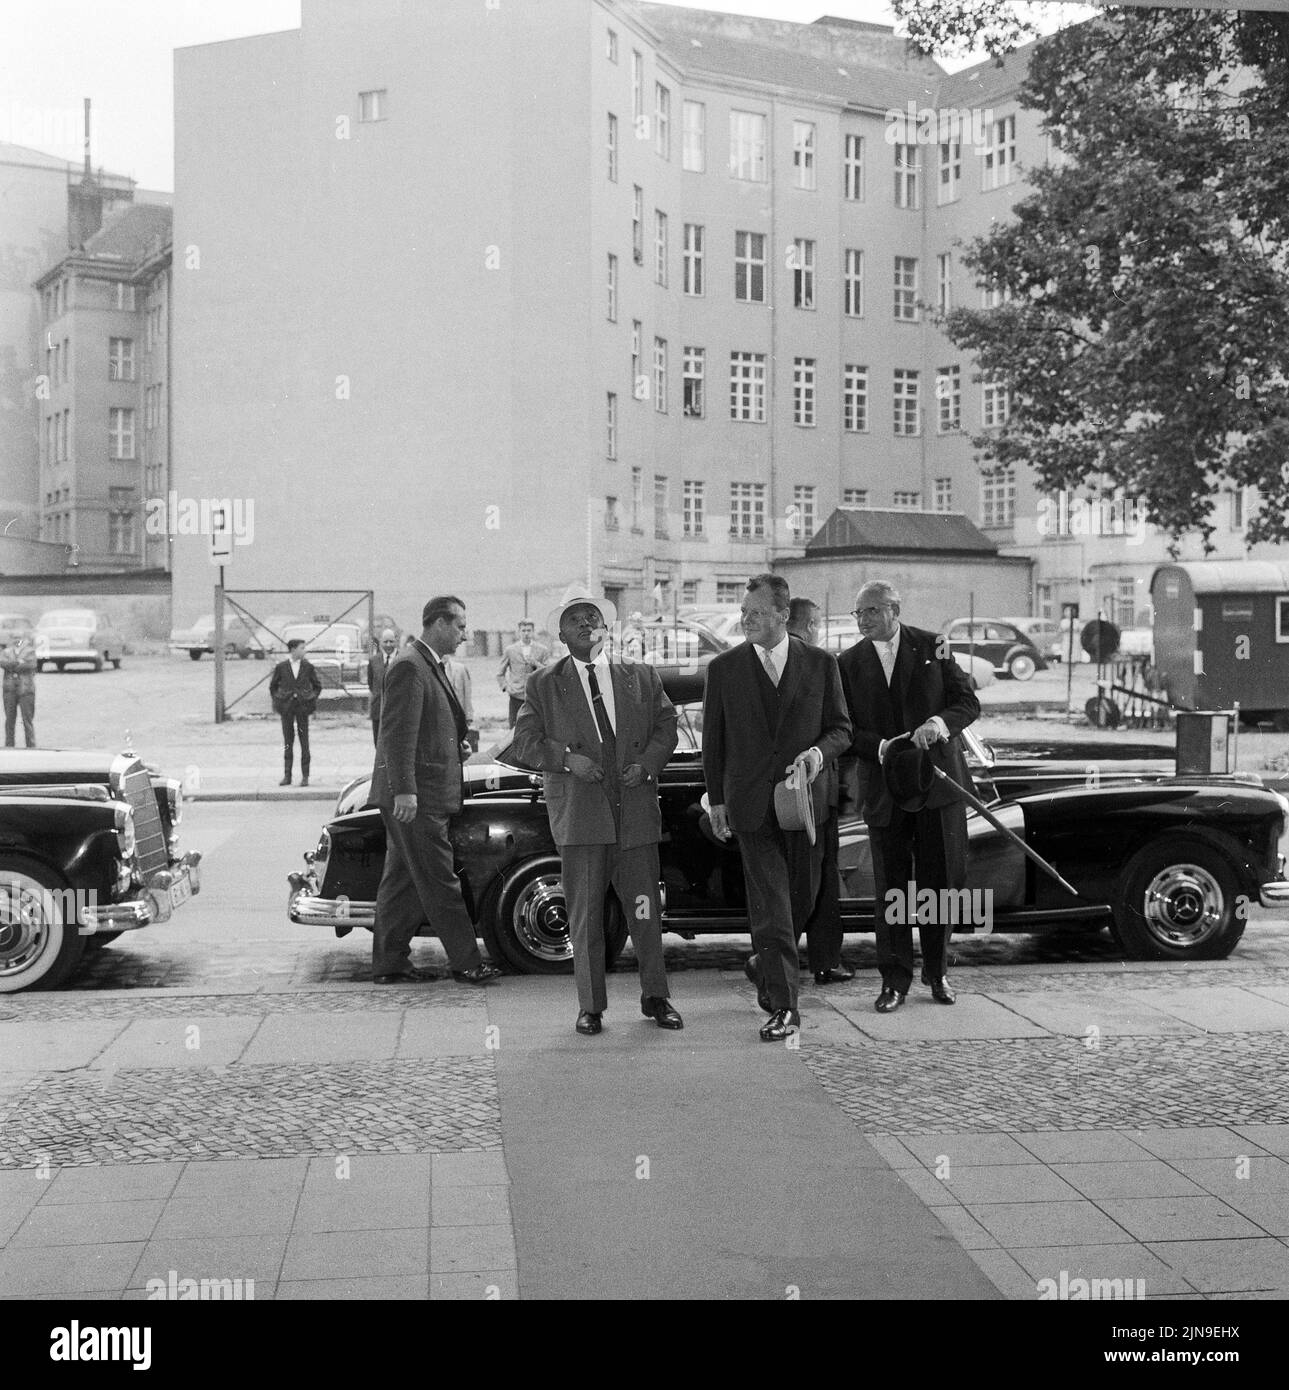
<point>973,800</point>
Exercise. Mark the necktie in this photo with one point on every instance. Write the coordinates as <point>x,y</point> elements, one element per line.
<point>888,660</point>
<point>769,668</point>
<point>601,714</point>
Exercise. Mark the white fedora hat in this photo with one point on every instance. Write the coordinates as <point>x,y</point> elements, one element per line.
<point>574,595</point>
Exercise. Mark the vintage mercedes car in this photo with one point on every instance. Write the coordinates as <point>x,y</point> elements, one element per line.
<point>1170,864</point>
<point>89,848</point>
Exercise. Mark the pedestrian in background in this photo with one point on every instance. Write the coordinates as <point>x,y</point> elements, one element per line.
<point>459,677</point>
<point>294,690</point>
<point>376,669</point>
<point>518,662</point>
<point>18,659</point>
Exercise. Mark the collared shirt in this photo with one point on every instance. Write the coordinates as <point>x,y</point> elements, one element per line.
<point>295,668</point>
<point>888,651</point>
<point>778,655</point>
<point>429,651</point>
<point>604,679</point>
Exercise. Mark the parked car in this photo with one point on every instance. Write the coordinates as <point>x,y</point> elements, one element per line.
<point>89,848</point>
<point>1168,863</point>
<point>1001,643</point>
<point>273,627</point>
<point>840,633</point>
<point>338,653</point>
<point>1043,632</point>
<point>724,621</point>
<point>665,641</point>
<point>67,635</point>
<point>241,639</point>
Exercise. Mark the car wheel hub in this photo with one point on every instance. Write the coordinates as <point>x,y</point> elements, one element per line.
<point>24,925</point>
<point>541,919</point>
<point>1184,905</point>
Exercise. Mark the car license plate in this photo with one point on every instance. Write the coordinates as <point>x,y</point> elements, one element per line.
<point>180,892</point>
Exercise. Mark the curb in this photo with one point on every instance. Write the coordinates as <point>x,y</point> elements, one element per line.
<point>304,794</point>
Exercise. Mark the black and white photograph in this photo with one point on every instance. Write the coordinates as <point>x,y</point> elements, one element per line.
<point>645,655</point>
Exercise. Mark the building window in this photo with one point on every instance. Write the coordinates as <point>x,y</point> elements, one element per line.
<point>942,495</point>
<point>908,171</point>
<point>747,146</point>
<point>611,45</point>
<point>906,289</point>
<point>373,106</point>
<point>854,497</point>
<point>853,168</point>
<point>694,149</point>
<point>998,165</point>
<point>612,148</point>
<point>1237,509</point>
<point>637,95</point>
<point>1125,602</point>
<point>991,296</point>
<point>611,424</point>
<point>662,120</point>
<point>612,521</point>
<point>124,297</point>
<point>995,405</point>
<point>907,414</point>
<point>998,498</point>
<point>692,507</point>
<point>639,382</point>
<point>854,399</point>
<point>747,387</point>
<point>120,433</point>
<point>803,391</point>
<point>692,266</point>
<point>67,359</point>
<point>637,496</point>
<point>659,248</point>
<point>660,506</point>
<point>612,286</point>
<point>803,154</point>
<point>637,224</point>
<point>689,591</point>
<point>695,375</point>
<point>803,274</point>
<point>660,375</point>
<point>120,521</point>
<point>944,283</point>
<point>749,267</point>
<point>803,514</point>
<point>853,283</point>
<point>950,171</point>
<point>747,510</point>
<point>948,395</point>
<point>732,591</point>
<point>907,501</point>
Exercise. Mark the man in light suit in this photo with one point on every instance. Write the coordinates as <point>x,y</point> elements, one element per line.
<point>519,660</point>
<point>18,660</point>
<point>771,702</point>
<point>376,669</point>
<point>899,679</point>
<point>602,733</point>
<point>417,784</point>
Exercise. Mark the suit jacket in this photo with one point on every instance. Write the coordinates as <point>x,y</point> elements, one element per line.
<point>930,682</point>
<point>743,757</point>
<point>418,751</point>
<point>514,671</point>
<point>376,669</point>
<point>18,660</point>
<point>294,694</point>
<point>555,716</point>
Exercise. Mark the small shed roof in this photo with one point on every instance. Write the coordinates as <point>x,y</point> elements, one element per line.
<point>865,530</point>
<point>1231,576</point>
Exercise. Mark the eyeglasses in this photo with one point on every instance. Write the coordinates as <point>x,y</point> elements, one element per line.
<point>869,612</point>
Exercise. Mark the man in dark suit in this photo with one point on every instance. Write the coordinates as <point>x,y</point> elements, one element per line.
<point>823,928</point>
<point>602,732</point>
<point>770,704</point>
<point>418,786</point>
<point>294,689</point>
<point>376,669</point>
<point>900,680</point>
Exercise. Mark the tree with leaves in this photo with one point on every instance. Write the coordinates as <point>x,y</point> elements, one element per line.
<point>1144,329</point>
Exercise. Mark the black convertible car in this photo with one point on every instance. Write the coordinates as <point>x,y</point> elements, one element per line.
<point>1170,864</point>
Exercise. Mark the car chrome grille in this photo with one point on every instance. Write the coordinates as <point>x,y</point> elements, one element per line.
<point>136,788</point>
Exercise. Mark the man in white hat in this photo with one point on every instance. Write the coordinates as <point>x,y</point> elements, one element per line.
<point>602,732</point>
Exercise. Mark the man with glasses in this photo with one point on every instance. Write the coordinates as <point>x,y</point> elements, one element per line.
<point>902,683</point>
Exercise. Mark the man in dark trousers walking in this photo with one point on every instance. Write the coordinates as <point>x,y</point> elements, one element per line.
<point>376,669</point>
<point>294,689</point>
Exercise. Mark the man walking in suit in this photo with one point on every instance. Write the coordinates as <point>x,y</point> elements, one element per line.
<point>18,658</point>
<point>294,689</point>
<point>899,679</point>
<point>771,705</point>
<point>376,669</point>
<point>602,733</point>
<point>417,785</point>
<point>823,928</point>
<point>518,662</point>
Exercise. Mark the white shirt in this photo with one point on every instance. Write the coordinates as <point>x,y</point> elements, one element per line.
<point>893,646</point>
<point>778,655</point>
<point>604,679</point>
<point>295,668</point>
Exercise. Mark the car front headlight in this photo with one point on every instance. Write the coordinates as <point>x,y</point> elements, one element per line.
<point>175,799</point>
<point>125,837</point>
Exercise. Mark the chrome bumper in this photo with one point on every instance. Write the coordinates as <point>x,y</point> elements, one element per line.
<point>154,902</point>
<point>307,908</point>
<point>1274,894</point>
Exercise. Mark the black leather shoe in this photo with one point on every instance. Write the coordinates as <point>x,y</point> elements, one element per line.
<point>941,990</point>
<point>285,782</point>
<point>480,975</point>
<point>781,1024</point>
<point>834,975</point>
<point>660,1011</point>
<point>762,998</point>
<point>411,975</point>
<point>304,781</point>
<point>588,1023</point>
<point>889,1000</point>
